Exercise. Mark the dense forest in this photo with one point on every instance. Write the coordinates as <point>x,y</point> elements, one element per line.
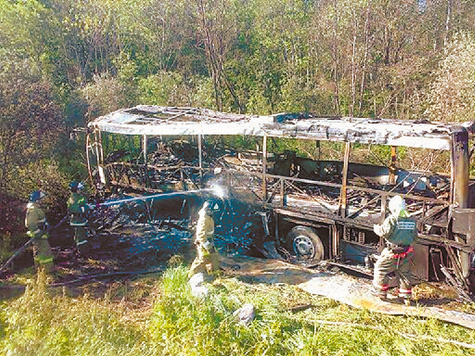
<point>65,62</point>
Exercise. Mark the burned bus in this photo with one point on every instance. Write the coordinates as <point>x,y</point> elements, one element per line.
<point>314,206</point>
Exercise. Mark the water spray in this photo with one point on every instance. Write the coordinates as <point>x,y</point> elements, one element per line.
<point>219,191</point>
<point>216,190</point>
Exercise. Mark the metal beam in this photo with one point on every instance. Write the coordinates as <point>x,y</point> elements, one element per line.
<point>344,180</point>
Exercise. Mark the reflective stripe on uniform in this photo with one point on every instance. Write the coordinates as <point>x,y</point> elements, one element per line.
<point>33,233</point>
<point>45,260</point>
<point>37,234</point>
<point>406,225</point>
<point>78,223</point>
<point>81,242</point>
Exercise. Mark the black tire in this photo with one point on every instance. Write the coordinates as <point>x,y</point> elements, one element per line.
<point>307,245</point>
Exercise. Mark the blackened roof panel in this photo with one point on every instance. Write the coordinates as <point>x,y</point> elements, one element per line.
<point>159,120</point>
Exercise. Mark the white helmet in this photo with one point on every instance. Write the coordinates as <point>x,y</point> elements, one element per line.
<point>396,205</point>
<point>205,208</point>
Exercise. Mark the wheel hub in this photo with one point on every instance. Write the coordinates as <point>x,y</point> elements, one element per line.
<point>304,246</point>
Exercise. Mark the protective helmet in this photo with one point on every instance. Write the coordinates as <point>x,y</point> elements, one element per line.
<point>36,196</point>
<point>75,186</point>
<point>396,205</point>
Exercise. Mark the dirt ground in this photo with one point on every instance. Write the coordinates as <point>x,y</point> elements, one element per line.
<point>430,300</point>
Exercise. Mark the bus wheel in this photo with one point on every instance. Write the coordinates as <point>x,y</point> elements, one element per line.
<point>307,246</point>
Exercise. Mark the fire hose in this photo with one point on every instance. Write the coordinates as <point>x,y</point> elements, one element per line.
<point>218,191</point>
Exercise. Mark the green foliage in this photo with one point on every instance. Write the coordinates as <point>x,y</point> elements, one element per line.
<point>39,323</point>
<point>206,326</point>
<point>161,89</point>
<point>173,89</point>
<point>75,60</point>
<point>44,175</point>
<point>453,92</point>
<point>262,56</point>
<point>21,25</point>
<point>202,91</point>
<point>171,321</point>
<point>128,145</point>
<point>105,95</point>
<point>30,120</point>
<point>186,325</point>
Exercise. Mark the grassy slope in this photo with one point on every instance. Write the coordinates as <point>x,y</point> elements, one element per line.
<point>159,316</point>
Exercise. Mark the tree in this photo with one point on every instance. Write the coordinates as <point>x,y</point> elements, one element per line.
<point>30,120</point>
<point>452,94</point>
<point>217,29</point>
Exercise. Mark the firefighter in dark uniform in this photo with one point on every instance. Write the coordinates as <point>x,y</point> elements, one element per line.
<point>206,260</point>
<point>35,222</point>
<point>77,207</point>
<point>400,232</point>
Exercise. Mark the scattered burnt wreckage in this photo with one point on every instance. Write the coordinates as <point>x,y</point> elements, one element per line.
<point>311,209</point>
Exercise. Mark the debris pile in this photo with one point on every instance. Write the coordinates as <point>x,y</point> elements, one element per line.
<point>140,236</point>
<point>171,166</point>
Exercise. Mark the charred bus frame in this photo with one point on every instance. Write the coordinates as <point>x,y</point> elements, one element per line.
<point>294,214</point>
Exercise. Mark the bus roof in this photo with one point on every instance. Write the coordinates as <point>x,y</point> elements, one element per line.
<point>176,121</point>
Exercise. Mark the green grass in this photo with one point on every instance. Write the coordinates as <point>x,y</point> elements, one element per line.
<point>160,316</point>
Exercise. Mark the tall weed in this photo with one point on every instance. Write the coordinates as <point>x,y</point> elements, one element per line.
<point>41,324</point>
<point>170,320</point>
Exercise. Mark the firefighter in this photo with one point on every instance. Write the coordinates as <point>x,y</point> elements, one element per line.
<point>35,222</point>
<point>399,232</point>
<point>206,260</point>
<point>77,207</point>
